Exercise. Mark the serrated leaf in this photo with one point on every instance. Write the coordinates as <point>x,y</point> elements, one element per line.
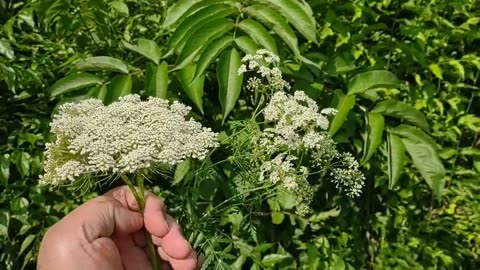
<point>211,52</point>
<point>194,90</point>
<point>26,243</point>
<point>147,48</point>
<point>273,259</point>
<point>120,7</point>
<point>196,22</point>
<point>375,126</point>
<point>423,151</point>
<point>277,23</point>
<point>229,81</point>
<point>396,157</point>
<point>120,85</point>
<point>73,82</point>
<point>345,105</point>
<point>156,80</point>
<point>175,12</point>
<point>403,111</point>
<point>246,44</point>
<point>258,32</point>
<point>197,41</point>
<point>298,14</point>
<point>6,50</point>
<point>436,70</point>
<point>101,63</point>
<point>372,79</point>
<point>181,170</point>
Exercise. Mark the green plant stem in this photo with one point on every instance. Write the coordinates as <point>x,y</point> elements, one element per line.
<point>140,198</point>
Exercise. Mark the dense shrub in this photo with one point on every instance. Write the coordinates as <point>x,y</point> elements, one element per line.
<point>402,74</point>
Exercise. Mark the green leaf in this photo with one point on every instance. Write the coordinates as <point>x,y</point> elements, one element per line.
<point>277,217</point>
<point>458,67</point>
<point>196,22</point>
<point>73,82</point>
<point>101,63</point>
<point>26,243</point>
<point>436,70</point>
<point>211,52</point>
<point>258,32</point>
<point>298,14</point>
<point>277,23</point>
<point>396,157</point>
<point>175,12</point>
<point>4,222</point>
<point>19,206</point>
<point>423,151</point>
<point>375,126</point>
<point>156,80</point>
<point>181,170</point>
<point>120,85</point>
<point>6,50</point>
<point>229,81</point>
<point>194,90</point>
<point>147,48</point>
<point>345,104</point>
<point>403,111</point>
<point>246,44</point>
<point>322,216</point>
<point>4,170</point>
<point>120,7</point>
<point>372,79</point>
<point>273,259</point>
<point>197,41</point>
<point>101,93</point>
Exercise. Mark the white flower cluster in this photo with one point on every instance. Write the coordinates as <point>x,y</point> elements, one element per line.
<point>269,77</point>
<point>301,129</point>
<point>124,137</point>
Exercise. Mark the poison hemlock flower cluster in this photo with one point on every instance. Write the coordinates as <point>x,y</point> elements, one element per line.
<point>127,136</point>
<point>294,144</point>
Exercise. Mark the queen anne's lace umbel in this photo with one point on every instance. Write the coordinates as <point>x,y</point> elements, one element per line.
<point>124,137</point>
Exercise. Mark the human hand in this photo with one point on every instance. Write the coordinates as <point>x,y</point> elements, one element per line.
<point>107,233</point>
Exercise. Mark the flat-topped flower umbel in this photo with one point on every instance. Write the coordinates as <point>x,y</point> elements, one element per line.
<point>124,137</point>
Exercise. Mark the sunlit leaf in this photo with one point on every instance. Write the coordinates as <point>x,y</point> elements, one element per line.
<point>101,63</point>
<point>345,104</point>
<point>156,80</point>
<point>147,48</point>
<point>396,157</point>
<point>73,82</point>
<point>246,44</point>
<point>423,151</point>
<point>372,79</point>
<point>298,14</point>
<point>211,52</point>
<point>375,125</point>
<point>403,111</point>
<point>193,89</point>
<point>277,23</point>
<point>120,85</point>
<point>229,81</point>
<point>258,32</point>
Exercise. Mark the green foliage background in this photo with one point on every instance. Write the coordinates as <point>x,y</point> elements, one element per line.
<point>403,74</point>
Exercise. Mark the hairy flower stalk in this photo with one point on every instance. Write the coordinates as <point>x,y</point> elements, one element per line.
<point>126,138</point>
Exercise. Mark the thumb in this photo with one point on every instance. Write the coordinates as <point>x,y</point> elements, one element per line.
<point>105,216</point>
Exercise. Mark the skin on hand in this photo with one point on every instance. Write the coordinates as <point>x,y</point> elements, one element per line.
<point>107,233</point>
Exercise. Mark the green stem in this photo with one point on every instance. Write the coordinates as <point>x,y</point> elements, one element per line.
<point>140,198</point>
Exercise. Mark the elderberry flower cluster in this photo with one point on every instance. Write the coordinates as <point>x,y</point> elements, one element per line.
<point>268,77</point>
<point>124,137</point>
<point>300,129</point>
